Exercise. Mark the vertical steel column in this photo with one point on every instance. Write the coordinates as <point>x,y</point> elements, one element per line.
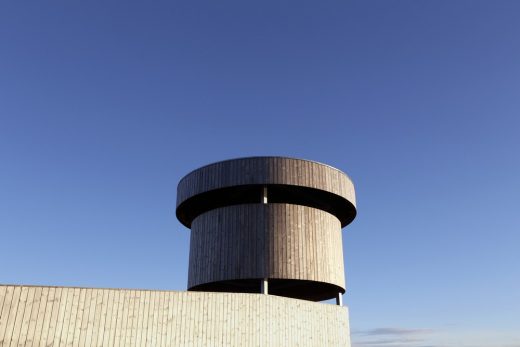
<point>339,299</point>
<point>265,284</point>
<point>264,195</point>
<point>264,287</point>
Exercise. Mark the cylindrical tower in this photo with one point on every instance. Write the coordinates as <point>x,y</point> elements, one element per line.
<point>267,224</point>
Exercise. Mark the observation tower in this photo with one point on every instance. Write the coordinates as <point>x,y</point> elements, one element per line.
<point>268,225</point>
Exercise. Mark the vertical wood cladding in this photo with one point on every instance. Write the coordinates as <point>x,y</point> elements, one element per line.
<point>275,241</point>
<point>234,181</point>
<point>60,316</point>
<point>266,170</point>
<point>269,218</point>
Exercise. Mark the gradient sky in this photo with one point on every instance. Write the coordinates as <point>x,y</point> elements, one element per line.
<point>104,106</point>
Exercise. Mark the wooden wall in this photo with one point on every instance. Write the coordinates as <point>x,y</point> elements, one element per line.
<point>272,218</point>
<point>275,241</point>
<point>64,316</point>
<point>266,170</point>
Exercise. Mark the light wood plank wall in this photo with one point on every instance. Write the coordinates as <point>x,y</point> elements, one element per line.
<point>281,241</point>
<point>64,316</point>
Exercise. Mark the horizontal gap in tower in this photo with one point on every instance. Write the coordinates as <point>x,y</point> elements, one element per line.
<point>253,194</point>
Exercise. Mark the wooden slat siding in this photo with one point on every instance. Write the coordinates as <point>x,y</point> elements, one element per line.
<point>99,319</point>
<point>227,329</point>
<point>149,318</point>
<point>56,322</point>
<point>204,318</point>
<point>17,317</point>
<point>290,242</point>
<point>33,317</point>
<point>119,319</point>
<point>15,324</point>
<point>115,329</point>
<point>145,312</point>
<point>164,318</point>
<point>60,338</point>
<point>135,319</point>
<point>102,319</point>
<point>169,325</point>
<point>245,258</point>
<point>160,318</point>
<point>116,307</point>
<point>141,323</point>
<point>146,322</point>
<point>49,308</point>
<point>125,319</point>
<point>174,318</point>
<point>266,170</point>
<point>90,317</point>
<point>35,337</point>
<point>139,319</point>
<point>184,338</point>
<point>171,319</point>
<point>178,318</point>
<point>154,318</point>
<point>3,291</point>
<point>283,228</point>
<point>79,338</point>
<point>68,319</point>
<point>96,317</point>
<point>82,317</point>
<point>79,315</point>
<point>24,325</point>
<point>177,325</point>
<point>113,299</point>
<point>193,307</point>
<point>68,334</point>
<point>72,318</point>
<point>5,311</point>
<point>128,319</point>
<point>223,321</point>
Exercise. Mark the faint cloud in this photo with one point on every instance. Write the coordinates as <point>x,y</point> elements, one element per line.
<point>392,343</point>
<point>391,337</point>
<point>421,337</point>
<point>392,331</point>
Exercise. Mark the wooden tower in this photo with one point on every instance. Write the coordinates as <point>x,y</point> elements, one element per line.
<point>267,224</point>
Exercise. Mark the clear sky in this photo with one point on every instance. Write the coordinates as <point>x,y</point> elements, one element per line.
<point>104,106</point>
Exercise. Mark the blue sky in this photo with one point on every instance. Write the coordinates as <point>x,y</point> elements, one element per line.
<point>104,106</point>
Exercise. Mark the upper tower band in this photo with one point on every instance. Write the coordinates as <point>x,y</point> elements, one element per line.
<point>268,220</point>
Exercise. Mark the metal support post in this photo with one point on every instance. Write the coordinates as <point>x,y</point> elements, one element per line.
<point>265,286</point>
<point>264,195</point>
<point>339,299</point>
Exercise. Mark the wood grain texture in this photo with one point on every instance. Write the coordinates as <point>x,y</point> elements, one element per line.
<point>266,171</point>
<point>274,241</point>
<point>118,317</point>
